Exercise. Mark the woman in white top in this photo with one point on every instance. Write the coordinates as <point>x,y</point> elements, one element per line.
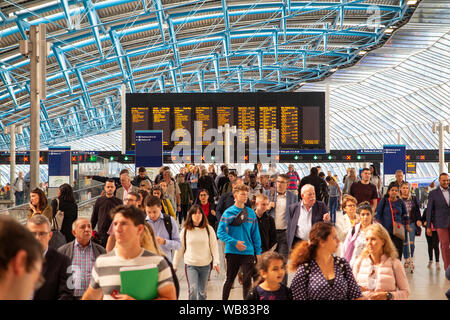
<point>198,248</point>
<point>356,239</point>
<point>346,220</point>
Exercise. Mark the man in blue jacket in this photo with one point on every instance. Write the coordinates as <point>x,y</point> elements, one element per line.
<point>238,228</point>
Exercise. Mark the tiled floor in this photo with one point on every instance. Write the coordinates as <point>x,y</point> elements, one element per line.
<point>425,283</point>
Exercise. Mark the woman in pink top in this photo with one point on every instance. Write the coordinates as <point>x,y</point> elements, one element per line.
<point>378,271</point>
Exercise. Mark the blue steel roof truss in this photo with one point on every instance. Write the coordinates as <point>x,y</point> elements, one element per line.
<point>259,45</point>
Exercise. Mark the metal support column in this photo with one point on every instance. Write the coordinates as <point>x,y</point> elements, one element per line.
<point>37,50</point>
<point>12,165</point>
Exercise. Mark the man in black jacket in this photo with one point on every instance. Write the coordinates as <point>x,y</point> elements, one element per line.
<point>100,212</point>
<point>141,176</point>
<point>56,265</point>
<point>266,223</point>
<point>320,186</point>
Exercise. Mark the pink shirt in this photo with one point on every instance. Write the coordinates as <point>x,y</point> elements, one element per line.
<point>388,276</point>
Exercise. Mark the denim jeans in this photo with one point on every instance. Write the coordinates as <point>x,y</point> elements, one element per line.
<point>412,235</point>
<point>333,208</point>
<point>197,279</point>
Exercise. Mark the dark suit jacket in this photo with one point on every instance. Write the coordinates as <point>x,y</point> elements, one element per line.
<point>438,211</point>
<point>55,273</point>
<point>319,209</point>
<point>291,198</point>
<point>320,187</point>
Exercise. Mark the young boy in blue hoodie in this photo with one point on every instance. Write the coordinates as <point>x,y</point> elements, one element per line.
<point>242,240</point>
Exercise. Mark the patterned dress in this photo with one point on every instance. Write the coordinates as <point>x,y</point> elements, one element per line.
<point>309,282</point>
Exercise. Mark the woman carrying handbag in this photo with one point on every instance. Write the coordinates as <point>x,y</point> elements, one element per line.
<point>392,214</point>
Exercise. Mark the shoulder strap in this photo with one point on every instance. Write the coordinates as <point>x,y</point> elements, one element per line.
<point>168,224</point>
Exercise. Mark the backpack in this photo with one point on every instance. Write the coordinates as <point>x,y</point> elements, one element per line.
<point>168,224</point>
<point>174,277</point>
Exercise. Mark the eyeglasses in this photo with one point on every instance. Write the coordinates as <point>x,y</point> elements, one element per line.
<point>351,205</point>
<point>40,233</point>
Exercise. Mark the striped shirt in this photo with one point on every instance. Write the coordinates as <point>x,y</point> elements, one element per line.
<point>106,271</point>
<point>293,181</point>
<point>84,259</point>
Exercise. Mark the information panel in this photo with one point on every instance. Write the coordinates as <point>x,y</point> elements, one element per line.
<point>225,115</point>
<point>206,116</point>
<point>246,121</point>
<point>149,148</point>
<point>59,163</point>
<point>394,158</point>
<point>289,128</point>
<point>267,121</point>
<point>183,124</point>
<point>161,121</point>
<point>139,119</point>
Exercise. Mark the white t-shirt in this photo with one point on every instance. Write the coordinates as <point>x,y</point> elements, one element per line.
<point>280,212</point>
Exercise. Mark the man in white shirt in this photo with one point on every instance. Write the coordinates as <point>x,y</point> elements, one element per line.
<point>304,215</point>
<point>125,181</point>
<point>19,187</point>
<point>279,201</point>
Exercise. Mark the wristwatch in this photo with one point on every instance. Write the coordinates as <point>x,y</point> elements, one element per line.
<point>388,296</point>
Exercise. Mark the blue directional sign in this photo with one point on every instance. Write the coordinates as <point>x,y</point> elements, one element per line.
<point>394,158</point>
<point>59,161</point>
<point>149,148</point>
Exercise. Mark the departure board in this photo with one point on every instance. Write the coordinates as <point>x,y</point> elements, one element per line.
<point>289,128</point>
<point>139,120</point>
<point>267,121</point>
<point>246,120</point>
<point>225,115</point>
<point>183,120</point>
<point>206,116</point>
<point>299,118</point>
<point>161,121</point>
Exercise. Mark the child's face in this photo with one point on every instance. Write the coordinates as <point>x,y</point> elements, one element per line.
<point>275,272</point>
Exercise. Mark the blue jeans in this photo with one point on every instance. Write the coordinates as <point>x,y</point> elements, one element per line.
<point>19,197</point>
<point>333,208</point>
<point>197,278</point>
<point>412,235</point>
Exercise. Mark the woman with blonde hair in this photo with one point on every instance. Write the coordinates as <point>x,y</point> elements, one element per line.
<point>378,270</point>
<point>349,180</point>
<point>148,241</point>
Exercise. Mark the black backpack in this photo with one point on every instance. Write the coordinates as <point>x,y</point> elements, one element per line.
<point>168,224</point>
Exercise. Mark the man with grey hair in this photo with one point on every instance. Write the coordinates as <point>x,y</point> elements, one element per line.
<point>20,188</point>
<point>125,181</point>
<point>83,252</point>
<point>303,215</point>
<point>56,265</point>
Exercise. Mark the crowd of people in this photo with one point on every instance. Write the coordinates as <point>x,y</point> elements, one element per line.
<point>262,224</point>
